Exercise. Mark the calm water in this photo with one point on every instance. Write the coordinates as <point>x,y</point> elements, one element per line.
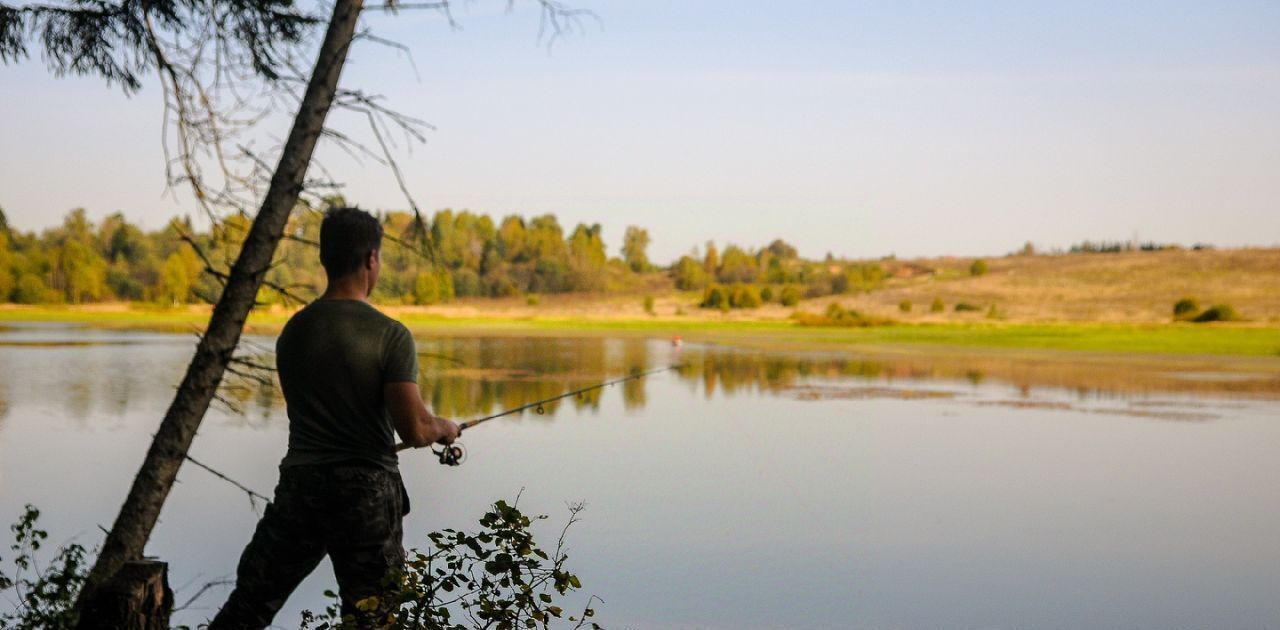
<point>750,489</point>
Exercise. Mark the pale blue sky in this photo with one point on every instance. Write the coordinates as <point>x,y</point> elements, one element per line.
<point>854,127</point>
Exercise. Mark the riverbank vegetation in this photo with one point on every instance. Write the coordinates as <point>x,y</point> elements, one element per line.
<point>462,265</point>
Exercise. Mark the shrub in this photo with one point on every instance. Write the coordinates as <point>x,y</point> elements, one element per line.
<point>531,299</point>
<point>1186,308</point>
<point>978,268</point>
<point>45,591</point>
<point>744,296</point>
<point>715,296</point>
<point>790,295</point>
<point>937,306</point>
<point>766,294</point>
<point>648,305</point>
<point>495,577</point>
<point>994,312</point>
<point>965,307</point>
<point>836,315</point>
<point>1218,313</point>
<point>839,284</point>
<point>905,306</point>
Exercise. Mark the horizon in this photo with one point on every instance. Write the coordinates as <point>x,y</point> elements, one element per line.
<point>1134,243</point>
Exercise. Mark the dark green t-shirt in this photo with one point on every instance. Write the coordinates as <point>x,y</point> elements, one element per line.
<point>333,358</point>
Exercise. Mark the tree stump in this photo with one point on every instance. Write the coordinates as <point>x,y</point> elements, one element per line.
<point>138,597</point>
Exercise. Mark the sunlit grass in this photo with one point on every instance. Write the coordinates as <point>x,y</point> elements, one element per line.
<point>1175,338</point>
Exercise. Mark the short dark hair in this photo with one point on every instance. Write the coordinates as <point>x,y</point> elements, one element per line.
<point>347,237</point>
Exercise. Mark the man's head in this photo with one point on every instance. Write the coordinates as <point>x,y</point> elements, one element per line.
<point>350,241</point>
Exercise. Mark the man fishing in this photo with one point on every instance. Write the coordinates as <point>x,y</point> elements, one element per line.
<point>350,377</point>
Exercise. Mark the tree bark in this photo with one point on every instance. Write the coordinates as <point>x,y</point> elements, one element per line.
<point>137,597</point>
<point>137,517</point>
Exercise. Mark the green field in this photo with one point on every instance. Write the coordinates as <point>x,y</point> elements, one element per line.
<point>1179,338</point>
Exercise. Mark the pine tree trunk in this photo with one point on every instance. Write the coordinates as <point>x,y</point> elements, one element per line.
<point>132,527</point>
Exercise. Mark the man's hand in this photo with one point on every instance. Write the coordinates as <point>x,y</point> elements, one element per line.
<point>450,430</point>
<point>416,425</point>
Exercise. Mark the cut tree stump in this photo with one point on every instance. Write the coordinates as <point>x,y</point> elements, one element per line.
<point>138,597</point>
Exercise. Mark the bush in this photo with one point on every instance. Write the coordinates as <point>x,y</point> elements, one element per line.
<point>905,306</point>
<point>31,290</point>
<point>45,591</point>
<point>978,268</point>
<point>1218,313</point>
<point>531,299</point>
<point>790,295</point>
<point>1186,308</point>
<point>766,294</point>
<point>837,315</point>
<point>648,305</point>
<point>496,577</point>
<point>715,296</point>
<point>744,296</point>
<point>965,307</point>
<point>937,306</point>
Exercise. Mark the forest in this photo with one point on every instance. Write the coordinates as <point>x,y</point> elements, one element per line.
<point>449,255</point>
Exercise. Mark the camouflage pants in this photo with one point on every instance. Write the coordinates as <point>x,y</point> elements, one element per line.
<point>352,513</point>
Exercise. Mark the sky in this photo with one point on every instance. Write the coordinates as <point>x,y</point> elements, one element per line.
<point>863,129</point>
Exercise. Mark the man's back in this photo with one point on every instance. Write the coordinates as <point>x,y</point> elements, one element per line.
<point>333,358</point>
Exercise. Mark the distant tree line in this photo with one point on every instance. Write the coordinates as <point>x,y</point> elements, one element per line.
<point>463,254</point>
<point>1116,247</point>
<point>745,278</point>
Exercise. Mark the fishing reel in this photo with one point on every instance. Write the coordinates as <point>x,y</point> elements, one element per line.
<point>452,454</point>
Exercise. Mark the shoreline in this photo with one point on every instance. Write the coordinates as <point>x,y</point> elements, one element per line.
<point>1243,339</point>
<point>1232,360</point>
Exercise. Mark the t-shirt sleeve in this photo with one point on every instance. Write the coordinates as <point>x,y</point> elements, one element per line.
<point>400,356</point>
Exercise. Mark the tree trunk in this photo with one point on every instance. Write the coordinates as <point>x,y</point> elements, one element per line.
<point>169,447</point>
<point>137,597</point>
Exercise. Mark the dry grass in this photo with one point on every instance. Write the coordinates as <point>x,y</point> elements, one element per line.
<point>1124,287</point>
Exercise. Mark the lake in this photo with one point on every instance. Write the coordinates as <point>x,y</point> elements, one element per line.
<point>751,488</point>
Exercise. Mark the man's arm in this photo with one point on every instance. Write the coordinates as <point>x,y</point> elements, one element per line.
<point>416,425</point>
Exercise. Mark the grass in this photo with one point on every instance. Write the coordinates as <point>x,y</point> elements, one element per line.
<point>1169,338</point>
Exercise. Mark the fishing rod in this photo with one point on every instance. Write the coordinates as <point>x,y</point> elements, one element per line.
<point>454,454</point>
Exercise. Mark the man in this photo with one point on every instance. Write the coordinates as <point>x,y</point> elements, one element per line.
<point>349,376</point>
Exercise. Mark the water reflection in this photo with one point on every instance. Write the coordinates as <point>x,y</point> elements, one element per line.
<point>82,371</point>
<point>899,490</point>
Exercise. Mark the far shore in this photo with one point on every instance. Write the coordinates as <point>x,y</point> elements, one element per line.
<point>763,328</point>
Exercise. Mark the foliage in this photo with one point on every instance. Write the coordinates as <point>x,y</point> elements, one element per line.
<point>45,595</point>
<point>837,315</point>
<point>790,296</point>
<point>864,277</point>
<point>648,305</point>
<point>965,307</point>
<point>80,261</point>
<point>937,306</point>
<point>978,267</point>
<point>715,296</point>
<point>1115,247</point>
<point>689,274</point>
<point>497,577</point>
<point>905,306</point>
<point>766,293</point>
<point>745,296</point>
<point>635,244</point>
<point>115,40</point>
<point>1186,308</point>
<point>1218,313</point>
<point>732,296</point>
